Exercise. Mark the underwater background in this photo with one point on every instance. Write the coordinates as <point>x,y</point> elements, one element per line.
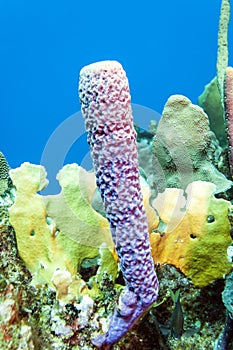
<point>166,47</point>
<point>138,253</point>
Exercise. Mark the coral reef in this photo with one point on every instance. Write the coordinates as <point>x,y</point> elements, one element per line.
<point>105,100</point>
<point>32,318</point>
<point>62,230</point>
<point>79,274</point>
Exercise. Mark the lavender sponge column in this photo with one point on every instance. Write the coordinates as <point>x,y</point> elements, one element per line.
<point>105,100</point>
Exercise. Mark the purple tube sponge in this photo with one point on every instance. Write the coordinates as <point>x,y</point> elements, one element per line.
<point>105,100</point>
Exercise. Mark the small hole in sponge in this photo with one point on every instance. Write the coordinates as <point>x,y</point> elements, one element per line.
<point>32,233</point>
<point>193,236</point>
<point>56,233</point>
<point>89,267</point>
<point>210,219</point>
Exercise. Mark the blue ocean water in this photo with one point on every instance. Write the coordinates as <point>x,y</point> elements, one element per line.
<point>166,47</point>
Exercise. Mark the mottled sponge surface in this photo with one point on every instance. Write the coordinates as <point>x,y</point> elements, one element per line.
<point>228,104</point>
<point>105,100</point>
<point>196,232</point>
<point>56,231</point>
<point>222,57</point>
<point>182,147</point>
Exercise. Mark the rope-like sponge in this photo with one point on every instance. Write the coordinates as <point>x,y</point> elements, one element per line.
<point>105,100</point>
<point>222,57</point>
<point>228,104</point>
